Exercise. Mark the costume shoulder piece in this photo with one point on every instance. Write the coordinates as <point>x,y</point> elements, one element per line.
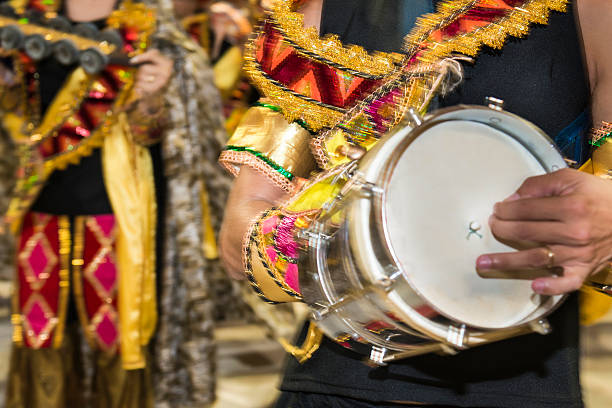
<point>348,96</point>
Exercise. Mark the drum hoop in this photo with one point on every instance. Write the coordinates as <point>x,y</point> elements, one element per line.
<point>467,113</point>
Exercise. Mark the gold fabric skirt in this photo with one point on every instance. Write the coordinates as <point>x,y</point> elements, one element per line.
<point>57,378</point>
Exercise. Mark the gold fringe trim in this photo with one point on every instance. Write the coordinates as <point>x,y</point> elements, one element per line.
<point>494,35</point>
<point>64,274</point>
<point>293,106</point>
<point>77,278</point>
<point>330,48</point>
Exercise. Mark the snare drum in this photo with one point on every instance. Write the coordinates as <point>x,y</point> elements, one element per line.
<point>388,268</point>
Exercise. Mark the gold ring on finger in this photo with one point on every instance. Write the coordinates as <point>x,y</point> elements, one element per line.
<point>550,256</point>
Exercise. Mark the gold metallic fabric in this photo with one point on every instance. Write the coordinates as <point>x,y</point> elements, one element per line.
<point>56,378</point>
<point>595,305</point>
<point>267,132</point>
<point>128,176</point>
<point>602,159</point>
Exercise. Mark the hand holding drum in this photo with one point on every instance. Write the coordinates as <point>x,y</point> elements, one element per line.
<point>566,220</point>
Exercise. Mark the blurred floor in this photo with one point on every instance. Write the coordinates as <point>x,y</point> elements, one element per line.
<point>250,363</point>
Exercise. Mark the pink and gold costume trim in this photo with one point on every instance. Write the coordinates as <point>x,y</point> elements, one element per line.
<point>42,285</point>
<point>95,276</point>
<point>43,270</point>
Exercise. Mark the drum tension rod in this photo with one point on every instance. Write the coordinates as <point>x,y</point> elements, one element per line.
<point>541,326</point>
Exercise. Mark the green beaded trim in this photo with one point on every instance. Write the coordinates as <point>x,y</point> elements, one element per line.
<point>275,108</point>
<point>262,157</point>
<point>601,140</point>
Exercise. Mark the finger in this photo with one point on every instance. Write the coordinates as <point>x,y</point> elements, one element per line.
<point>146,57</point>
<point>146,70</point>
<point>571,280</point>
<point>539,260</point>
<point>550,184</point>
<point>550,232</point>
<point>540,208</point>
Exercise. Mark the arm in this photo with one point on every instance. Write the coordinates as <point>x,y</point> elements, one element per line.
<point>565,218</point>
<point>253,192</point>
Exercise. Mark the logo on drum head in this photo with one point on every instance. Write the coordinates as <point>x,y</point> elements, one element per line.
<point>473,228</point>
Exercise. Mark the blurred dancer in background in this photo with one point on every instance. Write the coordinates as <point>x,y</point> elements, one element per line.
<point>116,177</point>
<point>222,28</point>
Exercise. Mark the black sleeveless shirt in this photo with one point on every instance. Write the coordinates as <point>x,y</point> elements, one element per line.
<point>541,78</point>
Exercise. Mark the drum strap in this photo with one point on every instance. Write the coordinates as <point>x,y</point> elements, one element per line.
<point>311,343</point>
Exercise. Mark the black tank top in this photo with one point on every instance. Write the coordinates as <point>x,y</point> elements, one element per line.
<point>541,78</point>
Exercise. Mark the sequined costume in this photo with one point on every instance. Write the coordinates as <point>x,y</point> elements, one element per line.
<point>324,98</point>
<point>103,197</point>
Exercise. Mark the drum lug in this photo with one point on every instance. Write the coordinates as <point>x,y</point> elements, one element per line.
<point>308,235</point>
<point>377,356</point>
<point>494,103</point>
<point>387,282</point>
<point>371,189</point>
<point>456,336</point>
<point>319,314</point>
<point>541,326</point>
<point>414,118</point>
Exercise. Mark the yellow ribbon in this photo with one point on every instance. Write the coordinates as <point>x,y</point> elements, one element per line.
<point>128,175</point>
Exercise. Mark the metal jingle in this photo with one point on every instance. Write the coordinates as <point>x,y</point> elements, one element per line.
<point>7,11</point>
<point>93,61</point>
<point>112,37</point>
<point>66,52</point>
<point>36,47</point>
<point>87,30</point>
<point>60,23</point>
<point>11,38</point>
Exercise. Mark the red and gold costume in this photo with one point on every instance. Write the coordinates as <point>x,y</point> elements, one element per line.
<point>106,264</point>
<point>322,100</point>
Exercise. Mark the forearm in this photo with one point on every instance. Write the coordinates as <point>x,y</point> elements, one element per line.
<point>252,194</point>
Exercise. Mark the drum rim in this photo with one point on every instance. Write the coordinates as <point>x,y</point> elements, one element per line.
<point>445,115</point>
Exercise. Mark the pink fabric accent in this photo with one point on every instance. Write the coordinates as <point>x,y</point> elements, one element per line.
<point>284,237</point>
<point>106,274</point>
<point>106,223</point>
<point>107,331</point>
<point>268,225</point>
<point>37,319</point>
<point>271,252</point>
<point>379,107</point>
<point>292,277</point>
<point>38,260</point>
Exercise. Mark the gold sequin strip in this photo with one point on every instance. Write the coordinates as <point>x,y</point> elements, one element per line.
<point>329,48</point>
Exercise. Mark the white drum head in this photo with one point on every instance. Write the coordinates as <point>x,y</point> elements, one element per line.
<point>449,177</point>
